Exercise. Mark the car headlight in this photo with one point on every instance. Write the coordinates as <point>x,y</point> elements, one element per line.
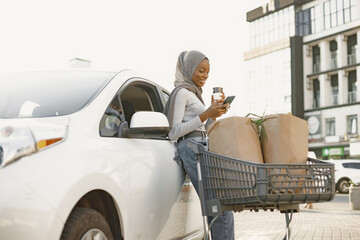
<point>18,142</point>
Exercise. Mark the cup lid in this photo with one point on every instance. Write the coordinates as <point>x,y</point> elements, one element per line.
<point>217,89</point>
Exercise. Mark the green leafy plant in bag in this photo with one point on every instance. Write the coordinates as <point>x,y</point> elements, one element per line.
<point>257,125</point>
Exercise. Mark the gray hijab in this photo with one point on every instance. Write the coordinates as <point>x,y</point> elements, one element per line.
<point>185,67</point>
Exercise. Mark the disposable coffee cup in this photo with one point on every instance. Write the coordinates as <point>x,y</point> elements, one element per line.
<point>217,92</point>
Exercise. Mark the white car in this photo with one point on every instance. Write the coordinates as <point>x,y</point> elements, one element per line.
<point>84,155</point>
<point>346,171</point>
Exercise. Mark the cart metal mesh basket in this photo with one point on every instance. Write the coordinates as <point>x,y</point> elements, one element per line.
<point>232,184</point>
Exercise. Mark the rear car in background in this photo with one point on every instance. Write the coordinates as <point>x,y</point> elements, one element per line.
<point>346,171</point>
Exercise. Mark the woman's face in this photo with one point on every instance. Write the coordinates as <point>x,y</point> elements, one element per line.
<point>201,73</point>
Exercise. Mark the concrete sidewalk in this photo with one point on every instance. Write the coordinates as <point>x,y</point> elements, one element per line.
<point>329,220</point>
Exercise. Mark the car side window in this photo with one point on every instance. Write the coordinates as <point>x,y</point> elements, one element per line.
<point>112,118</point>
<point>133,97</point>
<point>352,165</point>
<point>166,95</point>
<point>139,96</point>
<point>357,165</point>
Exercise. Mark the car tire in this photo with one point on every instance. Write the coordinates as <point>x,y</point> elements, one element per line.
<point>343,185</point>
<point>85,223</point>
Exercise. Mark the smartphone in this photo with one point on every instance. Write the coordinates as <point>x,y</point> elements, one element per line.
<point>229,100</point>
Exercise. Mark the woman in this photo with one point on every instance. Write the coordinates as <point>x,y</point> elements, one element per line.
<point>187,113</point>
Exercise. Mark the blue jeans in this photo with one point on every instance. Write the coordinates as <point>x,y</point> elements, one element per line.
<point>223,227</point>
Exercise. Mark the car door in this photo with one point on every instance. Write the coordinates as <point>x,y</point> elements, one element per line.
<point>185,217</point>
<point>156,209</point>
<point>352,170</point>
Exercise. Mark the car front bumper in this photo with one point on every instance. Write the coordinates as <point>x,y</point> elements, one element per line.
<point>24,214</point>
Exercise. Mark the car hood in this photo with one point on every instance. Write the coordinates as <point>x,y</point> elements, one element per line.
<point>60,120</point>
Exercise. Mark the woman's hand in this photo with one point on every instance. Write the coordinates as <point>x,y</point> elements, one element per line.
<point>219,100</point>
<point>227,106</point>
<point>214,111</point>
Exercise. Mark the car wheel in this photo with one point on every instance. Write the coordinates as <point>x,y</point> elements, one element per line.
<point>86,224</point>
<point>343,186</point>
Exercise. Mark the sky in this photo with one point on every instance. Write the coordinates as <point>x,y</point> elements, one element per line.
<point>143,35</point>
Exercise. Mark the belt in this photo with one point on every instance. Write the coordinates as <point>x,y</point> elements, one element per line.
<point>192,134</point>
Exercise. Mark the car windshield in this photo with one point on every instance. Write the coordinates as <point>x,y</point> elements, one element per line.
<point>47,94</point>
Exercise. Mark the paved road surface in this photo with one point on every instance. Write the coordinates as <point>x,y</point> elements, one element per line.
<point>329,220</point>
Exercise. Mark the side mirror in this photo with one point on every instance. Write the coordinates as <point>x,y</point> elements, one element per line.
<point>146,125</point>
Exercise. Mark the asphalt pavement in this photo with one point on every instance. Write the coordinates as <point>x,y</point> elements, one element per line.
<point>328,220</point>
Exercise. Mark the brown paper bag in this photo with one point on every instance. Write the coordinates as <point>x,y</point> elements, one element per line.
<point>286,139</point>
<point>235,137</point>
<point>286,142</point>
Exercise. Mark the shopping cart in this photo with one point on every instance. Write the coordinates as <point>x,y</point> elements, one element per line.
<point>228,184</point>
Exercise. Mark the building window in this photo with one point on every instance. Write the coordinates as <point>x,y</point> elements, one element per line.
<point>316,59</point>
<point>351,49</point>
<point>303,22</point>
<point>276,26</point>
<point>333,60</point>
<point>333,51</point>
<point>352,124</point>
<point>352,87</point>
<point>347,11</point>
<point>327,19</point>
<point>313,20</point>
<point>333,13</point>
<point>337,12</point>
<point>330,127</point>
<point>257,33</point>
<point>316,93</point>
<point>334,89</point>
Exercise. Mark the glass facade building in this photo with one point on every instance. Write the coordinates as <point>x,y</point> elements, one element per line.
<point>269,86</point>
<point>272,27</point>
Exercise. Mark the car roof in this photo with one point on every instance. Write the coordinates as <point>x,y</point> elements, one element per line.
<point>340,162</point>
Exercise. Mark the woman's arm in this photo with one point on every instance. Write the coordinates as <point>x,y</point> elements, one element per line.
<point>180,128</point>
